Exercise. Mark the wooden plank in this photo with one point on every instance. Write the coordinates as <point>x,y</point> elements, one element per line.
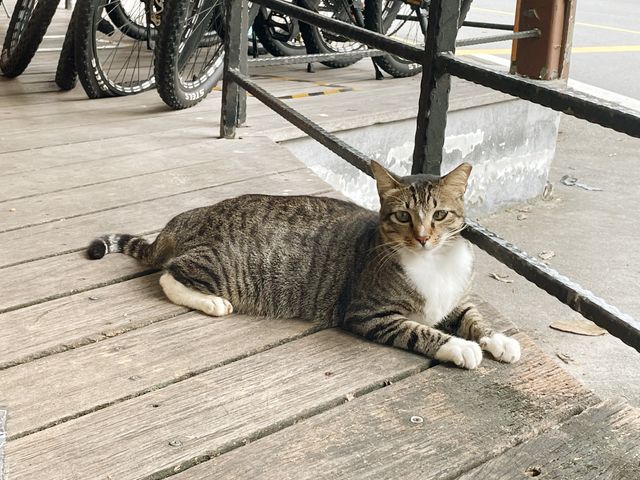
<point>601,443</point>
<point>88,317</point>
<point>95,172</point>
<point>229,162</point>
<point>36,159</point>
<point>467,417</point>
<point>96,130</point>
<point>132,364</point>
<point>54,238</point>
<point>55,277</point>
<point>212,412</point>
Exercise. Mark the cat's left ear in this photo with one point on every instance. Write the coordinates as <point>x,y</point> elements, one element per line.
<point>457,178</point>
<point>385,180</point>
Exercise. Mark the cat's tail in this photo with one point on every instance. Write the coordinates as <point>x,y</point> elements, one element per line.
<point>137,247</point>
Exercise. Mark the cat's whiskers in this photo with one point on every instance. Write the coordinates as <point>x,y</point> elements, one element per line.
<point>391,253</point>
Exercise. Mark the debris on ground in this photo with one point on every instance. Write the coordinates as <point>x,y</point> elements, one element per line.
<point>547,193</point>
<point>564,357</point>
<point>501,278</point>
<point>521,216</point>
<point>579,327</point>
<point>570,181</point>
<point>547,254</point>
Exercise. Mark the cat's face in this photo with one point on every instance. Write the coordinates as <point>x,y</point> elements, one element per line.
<point>421,212</point>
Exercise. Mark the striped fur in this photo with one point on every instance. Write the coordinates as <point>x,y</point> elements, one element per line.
<point>331,261</point>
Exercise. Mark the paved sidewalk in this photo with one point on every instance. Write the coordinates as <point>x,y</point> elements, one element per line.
<point>594,235</point>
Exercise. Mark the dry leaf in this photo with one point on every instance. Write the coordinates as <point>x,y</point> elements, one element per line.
<point>501,278</point>
<point>564,357</point>
<point>547,254</point>
<point>578,326</point>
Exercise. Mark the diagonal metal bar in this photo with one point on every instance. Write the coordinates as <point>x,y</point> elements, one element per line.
<point>568,101</point>
<point>359,34</point>
<point>315,131</point>
<point>619,324</point>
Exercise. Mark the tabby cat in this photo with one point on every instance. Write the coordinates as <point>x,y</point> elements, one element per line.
<point>398,277</point>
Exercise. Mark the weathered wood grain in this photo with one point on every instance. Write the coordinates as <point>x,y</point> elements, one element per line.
<point>132,364</point>
<point>59,237</point>
<point>602,443</point>
<point>36,159</point>
<point>83,318</point>
<point>212,412</point>
<point>63,275</point>
<point>466,417</point>
<point>99,171</point>
<point>249,161</point>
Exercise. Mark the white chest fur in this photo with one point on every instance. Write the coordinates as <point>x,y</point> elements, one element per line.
<point>441,277</point>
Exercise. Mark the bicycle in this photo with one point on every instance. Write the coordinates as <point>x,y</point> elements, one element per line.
<point>27,27</point>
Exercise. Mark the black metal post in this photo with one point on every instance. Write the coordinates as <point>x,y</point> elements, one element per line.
<point>434,87</point>
<point>234,98</point>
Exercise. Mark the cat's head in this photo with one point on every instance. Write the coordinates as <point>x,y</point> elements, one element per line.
<point>421,212</point>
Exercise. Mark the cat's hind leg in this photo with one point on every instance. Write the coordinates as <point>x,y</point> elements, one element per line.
<point>190,280</point>
<point>182,295</point>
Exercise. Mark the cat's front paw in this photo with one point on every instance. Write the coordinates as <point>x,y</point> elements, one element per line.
<point>503,348</point>
<point>463,353</point>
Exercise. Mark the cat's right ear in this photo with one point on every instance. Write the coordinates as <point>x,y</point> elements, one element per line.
<point>385,180</point>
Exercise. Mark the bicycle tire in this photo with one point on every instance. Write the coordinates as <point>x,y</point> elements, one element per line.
<point>268,34</point>
<point>376,20</point>
<point>110,62</point>
<point>66,75</point>
<point>182,82</point>
<point>318,41</point>
<point>28,24</point>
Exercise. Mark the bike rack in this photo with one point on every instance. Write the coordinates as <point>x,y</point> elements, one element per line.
<point>439,63</point>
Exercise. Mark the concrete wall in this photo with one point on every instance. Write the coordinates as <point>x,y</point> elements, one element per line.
<point>510,144</point>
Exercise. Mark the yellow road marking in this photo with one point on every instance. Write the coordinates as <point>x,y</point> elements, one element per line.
<point>594,49</point>
<point>582,24</point>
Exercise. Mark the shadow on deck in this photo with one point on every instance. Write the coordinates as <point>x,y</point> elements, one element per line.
<point>104,378</point>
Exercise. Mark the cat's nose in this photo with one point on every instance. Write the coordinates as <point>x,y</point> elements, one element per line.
<point>422,240</point>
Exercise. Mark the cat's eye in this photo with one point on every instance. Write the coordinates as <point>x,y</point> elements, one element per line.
<point>439,214</point>
<point>402,216</point>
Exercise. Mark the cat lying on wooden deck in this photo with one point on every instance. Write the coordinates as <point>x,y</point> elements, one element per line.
<point>397,277</point>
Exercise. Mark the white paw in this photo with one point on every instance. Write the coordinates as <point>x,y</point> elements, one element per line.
<point>216,306</point>
<point>503,348</point>
<point>463,353</point>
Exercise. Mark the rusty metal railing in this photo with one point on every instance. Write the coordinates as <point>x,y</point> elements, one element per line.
<point>439,63</point>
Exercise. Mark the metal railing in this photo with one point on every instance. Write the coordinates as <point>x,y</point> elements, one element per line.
<point>439,63</point>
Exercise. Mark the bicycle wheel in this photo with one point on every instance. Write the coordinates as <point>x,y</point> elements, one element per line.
<point>321,41</point>
<point>189,51</point>
<point>111,61</point>
<point>400,20</point>
<point>66,75</point>
<point>404,22</point>
<point>28,24</point>
<point>279,34</point>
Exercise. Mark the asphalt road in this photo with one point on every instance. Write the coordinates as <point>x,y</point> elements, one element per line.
<point>606,41</point>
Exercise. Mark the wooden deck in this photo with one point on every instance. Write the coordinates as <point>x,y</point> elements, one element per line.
<point>103,378</point>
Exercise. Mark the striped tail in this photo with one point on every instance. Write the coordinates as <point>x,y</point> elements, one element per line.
<point>137,247</point>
